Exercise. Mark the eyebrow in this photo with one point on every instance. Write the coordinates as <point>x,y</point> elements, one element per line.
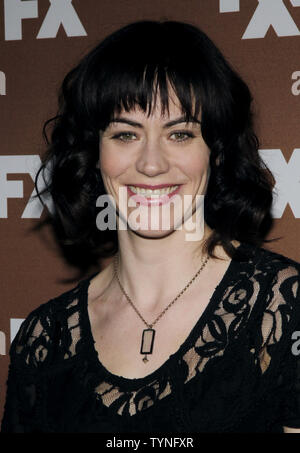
<point>182,119</point>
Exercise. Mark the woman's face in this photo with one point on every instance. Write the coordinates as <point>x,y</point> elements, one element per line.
<point>136,150</point>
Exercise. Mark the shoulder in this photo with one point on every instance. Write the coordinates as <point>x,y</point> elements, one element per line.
<point>269,285</point>
<point>276,278</point>
<point>51,326</point>
<point>277,258</point>
<point>271,282</point>
<point>268,263</point>
<point>284,273</point>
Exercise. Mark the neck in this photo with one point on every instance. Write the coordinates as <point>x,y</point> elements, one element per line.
<point>154,271</point>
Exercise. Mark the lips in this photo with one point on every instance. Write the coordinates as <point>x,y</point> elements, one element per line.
<point>152,199</point>
<point>147,186</point>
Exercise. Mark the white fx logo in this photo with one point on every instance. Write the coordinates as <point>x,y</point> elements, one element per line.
<point>60,12</point>
<point>269,13</point>
<point>14,189</point>
<point>286,174</point>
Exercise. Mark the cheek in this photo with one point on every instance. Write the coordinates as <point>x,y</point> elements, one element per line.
<point>111,163</point>
<point>197,166</point>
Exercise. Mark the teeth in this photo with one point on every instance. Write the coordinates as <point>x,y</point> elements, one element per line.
<point>158,192</point>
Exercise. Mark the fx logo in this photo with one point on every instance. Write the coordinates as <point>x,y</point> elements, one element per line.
<point>14,189</point>
<point>286,174</point>
<point>60,12</point>
<point>269,13</point>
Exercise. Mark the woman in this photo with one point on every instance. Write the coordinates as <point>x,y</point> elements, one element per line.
<point>178,333</point>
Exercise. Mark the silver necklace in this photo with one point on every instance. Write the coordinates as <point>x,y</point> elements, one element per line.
<point>149,333</point>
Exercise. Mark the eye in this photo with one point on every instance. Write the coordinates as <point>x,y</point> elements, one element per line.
<point>181,136</point>
<point>125,136</point>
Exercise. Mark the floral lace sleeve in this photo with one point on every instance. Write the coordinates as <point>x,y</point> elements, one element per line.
<point>281,339</point>
<point>29,353</point>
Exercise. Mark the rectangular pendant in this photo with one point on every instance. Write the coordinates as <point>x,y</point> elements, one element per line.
<point>147,341</point>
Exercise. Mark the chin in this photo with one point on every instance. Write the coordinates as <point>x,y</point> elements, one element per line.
<point>152,234</point>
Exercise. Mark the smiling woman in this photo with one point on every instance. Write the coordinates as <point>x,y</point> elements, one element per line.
<point>179,332</point>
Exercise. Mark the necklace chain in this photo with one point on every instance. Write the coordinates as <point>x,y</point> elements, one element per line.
<point>150,326</point>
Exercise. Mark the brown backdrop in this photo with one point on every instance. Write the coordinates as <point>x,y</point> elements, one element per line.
<point>260,39</point>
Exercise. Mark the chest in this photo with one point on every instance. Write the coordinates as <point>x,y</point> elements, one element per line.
<point>119,336</point>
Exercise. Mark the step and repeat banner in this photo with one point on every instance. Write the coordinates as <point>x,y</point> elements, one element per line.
<point>40,41</point>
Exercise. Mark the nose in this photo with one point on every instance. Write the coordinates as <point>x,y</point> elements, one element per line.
<point>152,160</point>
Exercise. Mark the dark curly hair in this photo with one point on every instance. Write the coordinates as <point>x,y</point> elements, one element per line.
<point>128,69</point>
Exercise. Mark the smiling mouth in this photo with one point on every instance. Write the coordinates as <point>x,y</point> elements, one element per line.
<point>151,197</point>
<point>146,192</point>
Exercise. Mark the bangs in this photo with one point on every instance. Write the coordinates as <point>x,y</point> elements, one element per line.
<point>143,88</point>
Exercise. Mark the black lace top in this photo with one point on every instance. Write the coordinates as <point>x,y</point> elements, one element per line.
<point>237,371</point>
